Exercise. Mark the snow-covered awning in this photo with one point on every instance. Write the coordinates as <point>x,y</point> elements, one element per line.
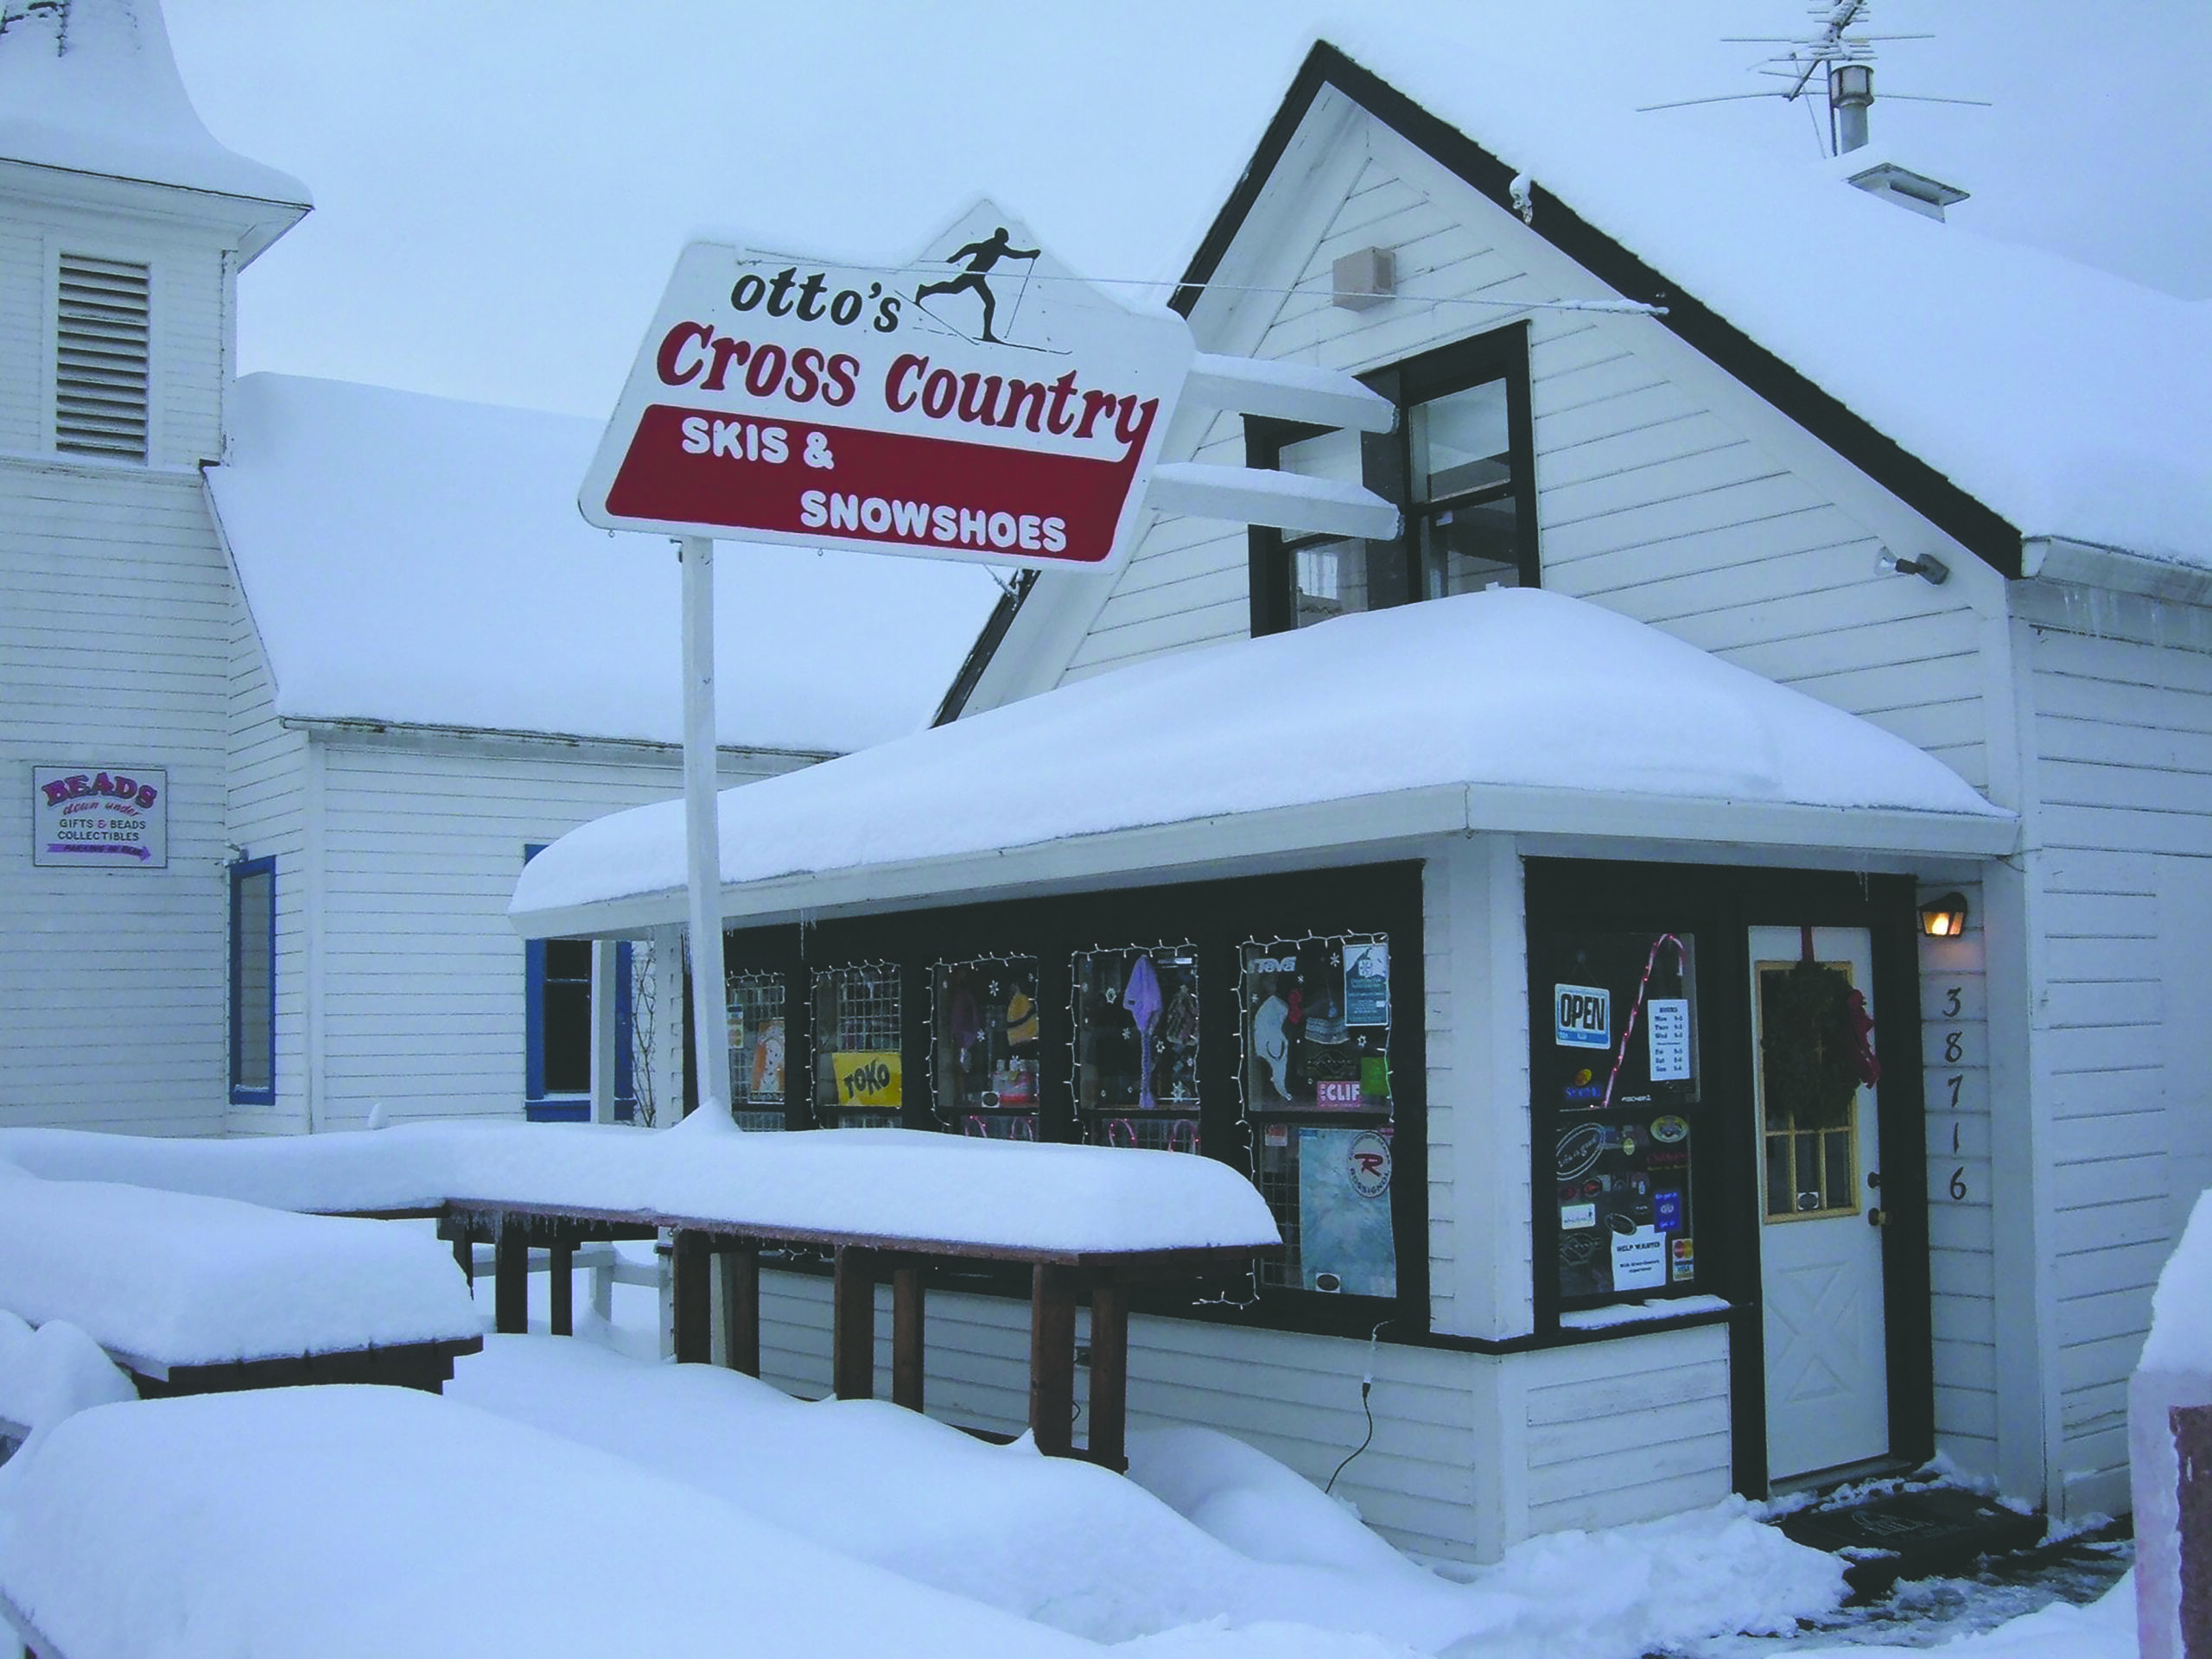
<point>1509,710</point>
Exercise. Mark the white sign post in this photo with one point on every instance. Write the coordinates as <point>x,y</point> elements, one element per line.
<point>980,403</point>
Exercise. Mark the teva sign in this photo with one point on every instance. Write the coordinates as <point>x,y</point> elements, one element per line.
<point>980,403</point>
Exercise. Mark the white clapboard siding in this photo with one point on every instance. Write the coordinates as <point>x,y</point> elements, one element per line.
<point>1616,1431</point>
<point>422,976</point>
<point>115,642</point>
<point>1962,1273</point>
<point>2121,894</point>
<point>267,819</point>
<point>1424,1483</point>
<point>1649,501</point>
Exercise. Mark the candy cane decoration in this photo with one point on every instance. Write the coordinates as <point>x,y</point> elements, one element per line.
<point>1627,1028</point>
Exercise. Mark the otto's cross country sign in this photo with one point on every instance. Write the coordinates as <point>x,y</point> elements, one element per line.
<point>980,403</point>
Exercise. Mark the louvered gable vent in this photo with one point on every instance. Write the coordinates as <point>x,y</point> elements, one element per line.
<point>100,375</point>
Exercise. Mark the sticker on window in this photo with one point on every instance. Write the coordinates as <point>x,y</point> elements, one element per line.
<point>1583,1016</point>
<point>1670,1038</point>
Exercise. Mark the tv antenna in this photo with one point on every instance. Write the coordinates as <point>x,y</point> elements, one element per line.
<point>1841,55</point>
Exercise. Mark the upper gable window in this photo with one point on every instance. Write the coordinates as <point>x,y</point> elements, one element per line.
<point>1459,467</point>
<point>102,379</point>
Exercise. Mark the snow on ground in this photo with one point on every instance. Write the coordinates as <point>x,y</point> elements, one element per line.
<point>874,1183</point>
<point>1232,1539</point>
<point>1491,679</point>
<point>52,1373</point>
<point>177,1279</point>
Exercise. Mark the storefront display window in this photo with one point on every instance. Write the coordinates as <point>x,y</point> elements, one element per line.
<point>1618,1080</point>
<point>859,1080</point>
<point>1136,1023</point>
<point>1315,1023</point>
<point>984,1046</point>
<point>756,1050</point>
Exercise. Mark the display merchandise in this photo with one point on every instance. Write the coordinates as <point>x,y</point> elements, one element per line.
<point>1135,1021</point>
<point>984,1046</point>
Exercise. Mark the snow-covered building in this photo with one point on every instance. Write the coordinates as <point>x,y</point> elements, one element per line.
<point>1523,945</point>
<point>295,675</point>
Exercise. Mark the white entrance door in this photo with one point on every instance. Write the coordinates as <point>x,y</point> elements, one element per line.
<point>1821,1251</point>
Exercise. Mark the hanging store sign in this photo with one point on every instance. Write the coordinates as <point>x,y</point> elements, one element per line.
<point>100,818</point>
<point>980,403</point>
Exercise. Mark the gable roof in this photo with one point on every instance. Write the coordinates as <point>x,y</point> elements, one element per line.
<point>1097,777</point>
<point>2004,393</point>
<point>414,559</point>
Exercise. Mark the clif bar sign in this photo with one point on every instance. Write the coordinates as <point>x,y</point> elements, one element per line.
<point>979,401</point>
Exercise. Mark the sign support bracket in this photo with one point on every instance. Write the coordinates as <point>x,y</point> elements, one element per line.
<point>702,829</point>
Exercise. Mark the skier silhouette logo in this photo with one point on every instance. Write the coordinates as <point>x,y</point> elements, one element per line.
<point>980,256</point>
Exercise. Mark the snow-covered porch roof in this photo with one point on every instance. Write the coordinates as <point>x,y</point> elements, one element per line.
<point>1513,710</point>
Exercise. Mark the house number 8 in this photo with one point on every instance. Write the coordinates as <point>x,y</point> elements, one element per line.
<point>1953,1050</point>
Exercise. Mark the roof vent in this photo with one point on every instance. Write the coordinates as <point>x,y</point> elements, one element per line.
<point>100,358</point>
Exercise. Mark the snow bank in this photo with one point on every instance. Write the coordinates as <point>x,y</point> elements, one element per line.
<point>885,1182</point>
<point>167,1279</point>
<point>2181,1306</point>
<point>2072,403</point>
<point>1232,1554</point>
<point>51,1373</point>
<point>1491,681</point>
<point>112,102</point>
<point>417,559</point>
<point>291,1522</point>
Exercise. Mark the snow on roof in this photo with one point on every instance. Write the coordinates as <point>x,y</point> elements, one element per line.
<point>172,1279</point>
<point>1511,688</point>
<point>857,1182</point>
<point>418,560</point>
<point>2073,403</point>
<point>323,1521</point>
<point>92,86</point>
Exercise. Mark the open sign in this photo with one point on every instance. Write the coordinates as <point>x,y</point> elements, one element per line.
<point>1583,1016</point>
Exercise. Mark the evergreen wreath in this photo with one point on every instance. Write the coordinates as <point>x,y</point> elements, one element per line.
<point>1808,1046</point>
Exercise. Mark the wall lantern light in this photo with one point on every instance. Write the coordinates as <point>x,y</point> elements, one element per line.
<point>1944,917</point>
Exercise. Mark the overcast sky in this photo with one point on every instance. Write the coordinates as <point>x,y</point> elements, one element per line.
<point>501,186</point>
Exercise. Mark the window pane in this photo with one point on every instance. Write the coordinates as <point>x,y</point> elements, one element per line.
<point>569,959</point>
<point>1331,455</point>
<point>859,1079</point>
<point>1466,549</point>
<point>756,1049</point>
<point>1136,1046</point>
<point>1461,443</point>
<point>1331,579</point>
<point>253,971</point>
<point>984,1048</point>
<point>567,1028</point>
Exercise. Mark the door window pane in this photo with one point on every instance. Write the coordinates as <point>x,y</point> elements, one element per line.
<point>253,981</point>
<point>566,1012</point>
<point>1808,1081</point>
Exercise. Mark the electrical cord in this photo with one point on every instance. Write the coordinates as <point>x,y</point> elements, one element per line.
<point>1366,1387</point>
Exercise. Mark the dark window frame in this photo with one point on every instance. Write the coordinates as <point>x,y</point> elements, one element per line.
<point>242,871</point>
<point>1394,573</point>
<point>568,1107</point>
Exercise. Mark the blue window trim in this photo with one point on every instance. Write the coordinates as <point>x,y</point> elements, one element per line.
<point>538,1106</point>
<point>240,1095</point>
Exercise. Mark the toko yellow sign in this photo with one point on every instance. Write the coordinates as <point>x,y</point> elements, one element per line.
<point>867,1077</point>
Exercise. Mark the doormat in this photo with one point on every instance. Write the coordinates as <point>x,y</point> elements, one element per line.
<point>1914,1533</point>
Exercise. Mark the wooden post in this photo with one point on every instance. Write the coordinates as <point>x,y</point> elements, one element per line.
<point>1052,1359</point>
<point>2192,1431</point>
<point>741,1306</point>
<point>906,1367</point>
<point>464,1257</point>
<point>693,1319</point>
<point>852,1322</point>
<point>563,1284</point>
<point>509,1277</point>
<point>1110,1377</point>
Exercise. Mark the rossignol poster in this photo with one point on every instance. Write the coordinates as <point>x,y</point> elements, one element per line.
<point>978,402</point>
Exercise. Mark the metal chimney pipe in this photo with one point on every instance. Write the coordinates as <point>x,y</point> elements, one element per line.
<point>1851,90</point>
